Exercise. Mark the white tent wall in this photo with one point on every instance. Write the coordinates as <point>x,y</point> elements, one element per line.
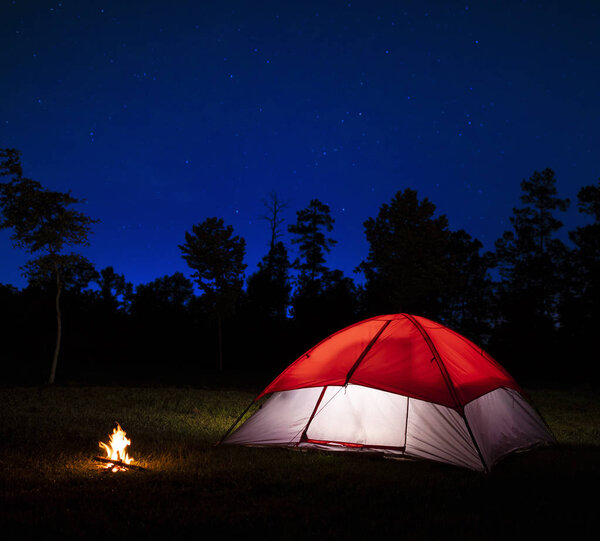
<point>502,421</point>
<point>280,421</point>
<point>360,415</point>
<point>439,433</point>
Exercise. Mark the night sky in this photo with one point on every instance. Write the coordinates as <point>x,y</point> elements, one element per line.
<point>163,114</point>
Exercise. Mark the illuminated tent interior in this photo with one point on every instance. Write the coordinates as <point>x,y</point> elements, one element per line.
<point>401,385</point>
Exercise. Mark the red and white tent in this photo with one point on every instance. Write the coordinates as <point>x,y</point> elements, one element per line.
<point>401,385</point>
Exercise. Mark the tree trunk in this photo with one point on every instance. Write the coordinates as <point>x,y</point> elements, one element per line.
<point>220,342</point>
<point>58,330</point>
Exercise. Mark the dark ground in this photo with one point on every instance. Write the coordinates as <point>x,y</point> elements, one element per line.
<point>51,487</point>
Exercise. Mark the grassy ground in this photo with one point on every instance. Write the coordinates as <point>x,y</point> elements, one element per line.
<point>50,487</point>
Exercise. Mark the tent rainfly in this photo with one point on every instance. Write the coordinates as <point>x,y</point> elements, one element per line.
<point>401,385</point>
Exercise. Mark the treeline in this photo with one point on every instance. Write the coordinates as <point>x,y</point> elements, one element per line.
<point>532,302</point>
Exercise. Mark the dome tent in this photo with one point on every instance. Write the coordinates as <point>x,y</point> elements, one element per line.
<point>401,385</point>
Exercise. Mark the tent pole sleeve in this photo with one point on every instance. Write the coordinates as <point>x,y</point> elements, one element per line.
<point>235,423</point>
<point>366,350</point>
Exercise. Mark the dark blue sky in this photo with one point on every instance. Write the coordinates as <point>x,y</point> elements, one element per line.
<point>163,114</point>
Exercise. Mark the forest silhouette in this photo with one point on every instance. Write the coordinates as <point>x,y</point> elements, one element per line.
<point>532,302</point>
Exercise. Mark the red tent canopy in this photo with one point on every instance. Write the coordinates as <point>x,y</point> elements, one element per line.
<point>401,385</point>
<point>403,354</point>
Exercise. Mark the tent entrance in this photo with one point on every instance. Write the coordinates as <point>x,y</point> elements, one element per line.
<point>357,416</point>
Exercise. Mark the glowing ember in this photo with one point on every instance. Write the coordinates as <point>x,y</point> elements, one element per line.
<point>116,449</point>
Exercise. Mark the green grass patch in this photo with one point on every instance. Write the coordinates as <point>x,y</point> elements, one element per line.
<point>51,487</point>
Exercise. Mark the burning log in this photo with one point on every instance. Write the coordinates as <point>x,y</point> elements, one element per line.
<point>117,458</point>
<point>118,463</point>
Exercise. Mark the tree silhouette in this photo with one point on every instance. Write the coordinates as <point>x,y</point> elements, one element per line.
<point>467,299</point>
<point>168,295</point>
<point>310,233</point>
<point>43,224</point>
<point>274,208</point>
<point>530,256</point>
<point>115,291</point>
<point>587,242</point>
<point>580,306</point>
<point>217,258</point>
<point>269,288</point>
<point>323,306</point>
<point>309,230</point>
<point>407,264</point>
<point>531,261</point>
<point>161,320</point>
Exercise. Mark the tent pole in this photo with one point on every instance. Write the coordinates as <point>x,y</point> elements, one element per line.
<point>366,350</point>
<point>235,423</point>
<point>485,467</point>
<point>406,424</point>
<point>449,383</point>
<point>303,436</point>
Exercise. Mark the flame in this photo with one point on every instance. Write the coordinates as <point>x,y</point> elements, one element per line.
<point>116,448</point>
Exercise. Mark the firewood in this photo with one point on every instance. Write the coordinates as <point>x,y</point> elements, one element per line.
<point>118,463</point>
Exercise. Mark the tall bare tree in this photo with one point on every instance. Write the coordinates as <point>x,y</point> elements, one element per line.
<point>274,208</point>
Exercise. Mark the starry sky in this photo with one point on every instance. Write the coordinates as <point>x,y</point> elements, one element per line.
<point>163,114</point>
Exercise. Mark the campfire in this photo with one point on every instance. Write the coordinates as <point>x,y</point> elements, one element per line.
<point>117,459</point>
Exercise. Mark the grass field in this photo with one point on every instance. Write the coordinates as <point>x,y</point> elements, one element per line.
<point>50,487</point>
